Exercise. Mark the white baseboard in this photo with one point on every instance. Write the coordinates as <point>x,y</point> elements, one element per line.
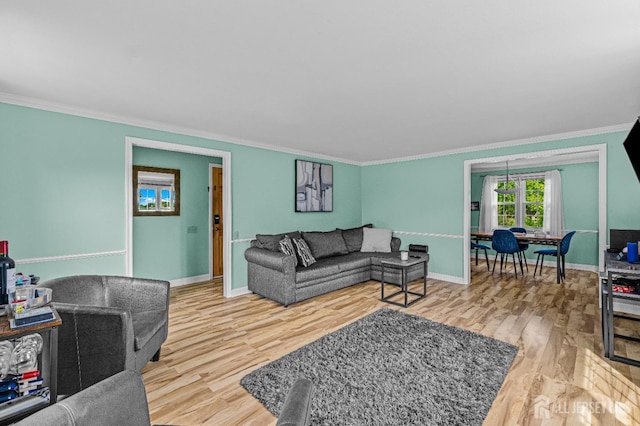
<point>189,280</point>
<point>578,266</point>
<point>201,278</point>
<point>238,292</point>
<point>443,277</point>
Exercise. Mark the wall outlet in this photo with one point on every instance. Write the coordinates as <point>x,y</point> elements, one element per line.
<point>192,229</point>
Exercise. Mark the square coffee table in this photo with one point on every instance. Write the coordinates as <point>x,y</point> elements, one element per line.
<point>404,266</point>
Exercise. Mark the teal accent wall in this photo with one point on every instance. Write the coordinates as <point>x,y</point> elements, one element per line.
<point>162,246</point>
<point>422,196</point>
<point>580,206</point>
<point>426,196</point>
<point>64,183</point>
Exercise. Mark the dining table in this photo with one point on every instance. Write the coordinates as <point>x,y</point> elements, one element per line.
<point>544,240</point>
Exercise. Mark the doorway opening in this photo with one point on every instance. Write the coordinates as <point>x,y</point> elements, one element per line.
<point>598,150</point>
<point>216,220</point>
<point>226,226</point>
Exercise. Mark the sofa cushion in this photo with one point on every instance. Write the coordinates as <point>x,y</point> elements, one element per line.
<point>320,269</point>
<point>272,241</point>
<point>304,253</point>
<point>353,237</point>
<point>286,247</point>
<point>376,240</point>
<point>325,244</point>
<point>354,261</point>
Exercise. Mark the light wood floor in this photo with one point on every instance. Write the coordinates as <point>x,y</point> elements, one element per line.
<point>213,342</point>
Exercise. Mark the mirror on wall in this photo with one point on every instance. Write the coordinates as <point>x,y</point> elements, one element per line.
<point>156,191</point>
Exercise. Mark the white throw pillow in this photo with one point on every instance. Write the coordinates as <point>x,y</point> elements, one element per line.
<point>376,240</point>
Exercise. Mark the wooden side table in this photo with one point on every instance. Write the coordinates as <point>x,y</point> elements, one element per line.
<point>48,361</point>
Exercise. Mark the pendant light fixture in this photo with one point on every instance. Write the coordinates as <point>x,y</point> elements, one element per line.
<point>507,190</point>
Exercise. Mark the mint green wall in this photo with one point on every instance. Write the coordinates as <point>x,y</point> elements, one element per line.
<point>426,196</point>
<point>158,239</point>
<point>65,181</point>
<point>580,204</point>
<point>264,196</point>
<point>422,196</point>
<point>61,192</point>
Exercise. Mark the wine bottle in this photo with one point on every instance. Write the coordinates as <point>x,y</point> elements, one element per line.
<point>7,273</point>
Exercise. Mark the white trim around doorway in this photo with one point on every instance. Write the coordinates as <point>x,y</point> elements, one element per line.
<point>130,142</point>
<point>600,149</point>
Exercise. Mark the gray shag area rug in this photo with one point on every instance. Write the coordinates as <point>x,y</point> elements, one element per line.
<point>391,368</point>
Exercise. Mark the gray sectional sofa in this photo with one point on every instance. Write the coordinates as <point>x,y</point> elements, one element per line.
<point>339,263</point>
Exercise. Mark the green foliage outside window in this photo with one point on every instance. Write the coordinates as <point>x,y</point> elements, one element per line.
<point>506,206</point>
<point>534,203</point>
<point>531,198</point>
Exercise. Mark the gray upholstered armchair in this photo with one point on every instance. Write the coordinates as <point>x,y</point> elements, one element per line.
<point>296,410</point>
<point>109,324</point>
<point>117,400</point>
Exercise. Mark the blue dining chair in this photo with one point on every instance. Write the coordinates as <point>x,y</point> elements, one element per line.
<point>564,249</point>
<point>505,244</point>
<point>477,247</point>
<point>523,245</point>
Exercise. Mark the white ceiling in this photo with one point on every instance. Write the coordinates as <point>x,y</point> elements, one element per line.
<point>361,80</point>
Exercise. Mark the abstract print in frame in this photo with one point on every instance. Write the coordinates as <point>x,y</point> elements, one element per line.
<point>314,187</point>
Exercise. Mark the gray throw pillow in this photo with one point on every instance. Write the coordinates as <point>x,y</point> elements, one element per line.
<point>272,242</point>
<point>376,240</point>
<point>286,247</point>
<point>304,254</point>
<point>325,244</point>
<point>353,237</point>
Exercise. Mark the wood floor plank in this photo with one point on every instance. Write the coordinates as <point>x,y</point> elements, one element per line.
<point>214,341</point>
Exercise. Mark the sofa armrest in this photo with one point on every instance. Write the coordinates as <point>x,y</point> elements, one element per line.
<point>271,275</point>
<point>270,259</point>
<point>296,410</point>
<point>117,400</point>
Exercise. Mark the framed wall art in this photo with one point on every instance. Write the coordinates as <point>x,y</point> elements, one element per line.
<point>314,187</point>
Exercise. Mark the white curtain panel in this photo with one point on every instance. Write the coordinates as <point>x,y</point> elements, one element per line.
<point>489,205</point>
<point>553,222</point>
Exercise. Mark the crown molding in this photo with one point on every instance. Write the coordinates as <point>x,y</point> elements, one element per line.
<point>536,161</point>
<point>505,144</point>
<point>154,125</point>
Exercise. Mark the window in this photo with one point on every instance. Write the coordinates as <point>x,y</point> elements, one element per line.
<point>156,191</point>
<point>506,206</point>
<point>524,208</point>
